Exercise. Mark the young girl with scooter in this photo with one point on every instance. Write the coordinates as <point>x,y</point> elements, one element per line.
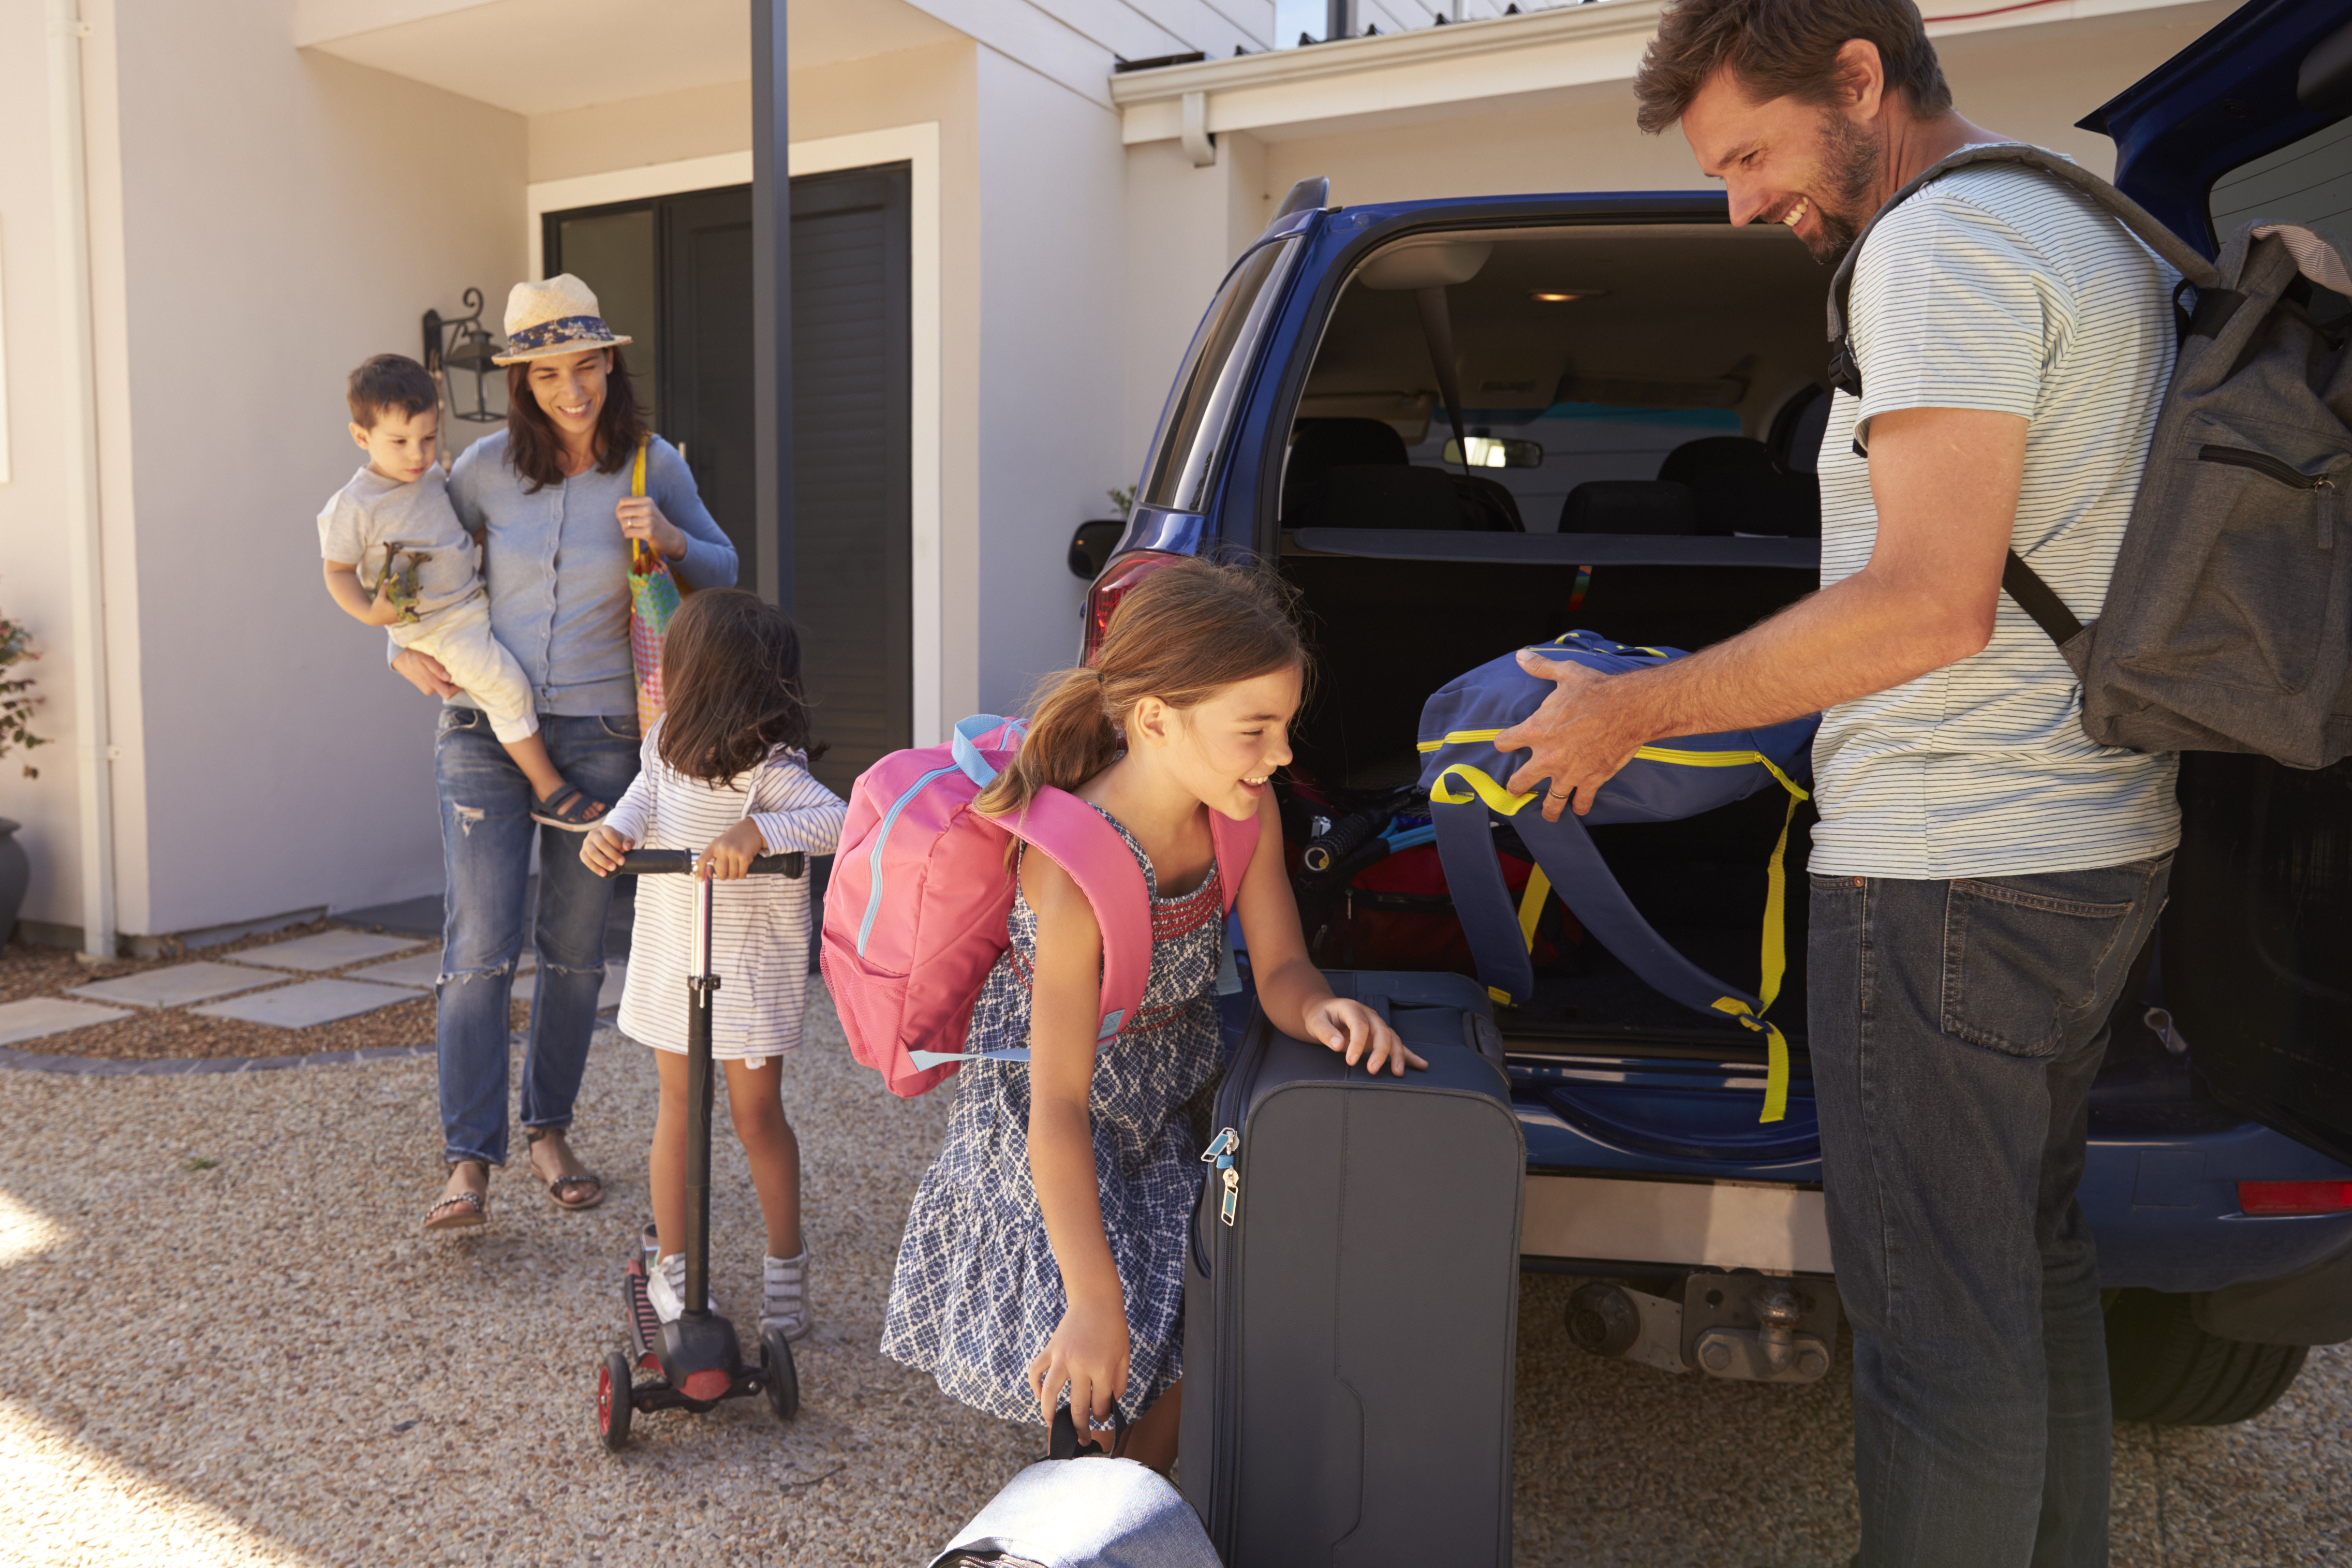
<point>725,773</point>
<point>1045,1246</point>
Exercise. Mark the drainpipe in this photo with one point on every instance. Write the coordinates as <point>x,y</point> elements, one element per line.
<point>69,201</point>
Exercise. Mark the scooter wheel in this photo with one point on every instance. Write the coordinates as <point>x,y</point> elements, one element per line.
<point>613,1402</point>
<point>784,1379</point>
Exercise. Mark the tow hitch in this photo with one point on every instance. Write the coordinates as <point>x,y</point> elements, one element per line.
<point>1750,1327</point>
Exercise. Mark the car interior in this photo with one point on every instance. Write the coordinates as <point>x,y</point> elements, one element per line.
<point>1627,381</point>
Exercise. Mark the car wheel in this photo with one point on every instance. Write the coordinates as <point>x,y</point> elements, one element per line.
<point>2162,1368</point>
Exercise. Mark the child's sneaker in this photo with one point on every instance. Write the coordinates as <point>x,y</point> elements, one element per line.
<point>784,1295</point>
<point>665,1289</point>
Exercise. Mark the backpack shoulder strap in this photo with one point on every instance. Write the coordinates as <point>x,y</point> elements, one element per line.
<point>1846,373</point>
<point>1236,846</point>
<point>1076,838</point>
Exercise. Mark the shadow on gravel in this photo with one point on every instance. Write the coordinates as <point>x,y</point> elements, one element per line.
<point>232,1345</point>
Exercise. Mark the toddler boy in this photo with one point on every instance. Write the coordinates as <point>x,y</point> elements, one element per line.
<point>396,556</point>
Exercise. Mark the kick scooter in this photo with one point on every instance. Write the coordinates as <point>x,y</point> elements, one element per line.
<point>697,1361</point>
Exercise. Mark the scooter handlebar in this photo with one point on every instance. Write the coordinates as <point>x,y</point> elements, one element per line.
<point>655,862</point>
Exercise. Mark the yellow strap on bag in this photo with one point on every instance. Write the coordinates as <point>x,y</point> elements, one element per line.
<point>638,549</point>
<point>1462,782</point>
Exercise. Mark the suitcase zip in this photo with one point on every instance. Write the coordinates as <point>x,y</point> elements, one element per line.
<point>1221,1154</point>
<point>1233,1104</point>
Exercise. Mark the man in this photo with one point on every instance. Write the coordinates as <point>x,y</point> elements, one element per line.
<point>1983,875</point>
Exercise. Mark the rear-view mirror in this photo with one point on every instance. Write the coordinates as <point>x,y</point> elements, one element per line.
<point>1091,546</point>
<point>1498,452</point>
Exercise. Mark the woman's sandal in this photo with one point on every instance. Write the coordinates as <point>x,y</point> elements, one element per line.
<point>569,808</point>
<point>464,1210</point>
<point>558,1185</point>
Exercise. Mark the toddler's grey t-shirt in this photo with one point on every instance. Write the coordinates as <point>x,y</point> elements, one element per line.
<point>372,516</point>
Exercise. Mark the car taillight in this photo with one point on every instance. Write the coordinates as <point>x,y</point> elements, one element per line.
<point>2294,1197</point>
<point>1103,598</point>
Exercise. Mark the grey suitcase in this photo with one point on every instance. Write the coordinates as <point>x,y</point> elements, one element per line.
<point>1351,1296</point>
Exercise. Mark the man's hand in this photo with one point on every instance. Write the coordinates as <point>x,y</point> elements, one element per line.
<point>1579,736</point>
<point>640,519</point>
<point>602,850</point>
<point>425,672</point>
<point>728,857</point>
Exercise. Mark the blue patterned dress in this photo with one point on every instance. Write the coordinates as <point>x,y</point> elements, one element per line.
<point>978,1292</point>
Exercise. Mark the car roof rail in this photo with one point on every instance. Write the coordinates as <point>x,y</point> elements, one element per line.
<point>1314,191</point>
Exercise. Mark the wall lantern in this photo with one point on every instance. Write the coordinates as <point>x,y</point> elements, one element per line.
<point>462,345</point>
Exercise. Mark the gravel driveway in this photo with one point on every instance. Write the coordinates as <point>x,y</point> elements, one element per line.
<point>232,1345</point>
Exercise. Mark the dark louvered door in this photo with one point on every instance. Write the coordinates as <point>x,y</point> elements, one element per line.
<point>852,480</point>
<point>706,362</point>
<point>849,559</point>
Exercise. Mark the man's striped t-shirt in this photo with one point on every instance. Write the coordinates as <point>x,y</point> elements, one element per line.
<point>1999,289</point>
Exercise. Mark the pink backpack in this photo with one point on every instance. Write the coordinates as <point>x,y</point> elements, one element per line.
<point>915,913</point>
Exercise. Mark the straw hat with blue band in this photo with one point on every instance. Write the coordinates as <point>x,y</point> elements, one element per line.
<point>1664,782</point>
<point>555,316</point>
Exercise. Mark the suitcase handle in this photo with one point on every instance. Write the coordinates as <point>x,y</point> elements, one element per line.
<point>1064,1445</point>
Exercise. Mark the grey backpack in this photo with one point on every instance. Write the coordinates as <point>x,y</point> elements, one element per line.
<point>2228,623</point>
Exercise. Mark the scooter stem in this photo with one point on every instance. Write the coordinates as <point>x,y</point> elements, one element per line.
<point>700,982</point>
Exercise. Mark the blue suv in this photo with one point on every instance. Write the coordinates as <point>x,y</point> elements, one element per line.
<point>1461,427</point>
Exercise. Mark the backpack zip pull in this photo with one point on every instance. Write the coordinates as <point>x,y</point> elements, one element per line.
<point>1220,1153</point>
<point>2322,488</point>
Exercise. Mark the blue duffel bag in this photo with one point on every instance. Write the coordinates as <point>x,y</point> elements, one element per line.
<point>1664,782</point>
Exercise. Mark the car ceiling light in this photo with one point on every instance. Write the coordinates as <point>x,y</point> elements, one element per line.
<point>1563,295</point>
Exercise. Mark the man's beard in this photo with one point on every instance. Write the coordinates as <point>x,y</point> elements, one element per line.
<point>1850,165</point>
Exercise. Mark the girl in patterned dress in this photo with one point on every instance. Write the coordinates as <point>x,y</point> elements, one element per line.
<point>1045,1248</point>
<point>725,771</point>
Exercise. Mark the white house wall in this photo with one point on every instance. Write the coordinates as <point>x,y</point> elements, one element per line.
<point>1052,340</point>
<point>35,588</point>
<point>287,216</point>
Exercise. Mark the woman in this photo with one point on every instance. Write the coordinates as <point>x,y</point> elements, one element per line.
<point>551,494</point>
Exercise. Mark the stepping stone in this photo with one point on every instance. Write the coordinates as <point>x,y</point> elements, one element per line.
<point>608,995</point>
<point>312,1001</point>
<point>29,1020</point>
<point>324,950</point>
<point>423,969</point>
<point>182,982</point>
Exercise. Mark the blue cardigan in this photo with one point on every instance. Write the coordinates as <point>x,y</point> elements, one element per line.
<point>558,569</point>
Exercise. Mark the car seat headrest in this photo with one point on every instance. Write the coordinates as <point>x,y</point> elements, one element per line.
<point>1323,445</point>
<point>1629,506</point>
<point>1691,461</point>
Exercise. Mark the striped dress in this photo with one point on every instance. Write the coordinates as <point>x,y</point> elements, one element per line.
<point>759,925</point>
<point>977,1291</point>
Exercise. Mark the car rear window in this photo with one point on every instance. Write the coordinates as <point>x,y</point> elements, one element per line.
<point>2307,182</point>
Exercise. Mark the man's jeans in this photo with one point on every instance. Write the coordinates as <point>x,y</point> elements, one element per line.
<point>1956,1027</point>
<point>485,838</point>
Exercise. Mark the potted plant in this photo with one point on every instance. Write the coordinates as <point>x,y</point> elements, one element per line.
<point>17,705</point>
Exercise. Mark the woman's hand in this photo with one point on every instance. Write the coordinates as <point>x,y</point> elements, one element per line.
<point>425,672</point>
<point>1363,1033</point>
<point>602,850</point>
<point>728,857</point>
<point>640,519</point>
<point>1089,1353</point>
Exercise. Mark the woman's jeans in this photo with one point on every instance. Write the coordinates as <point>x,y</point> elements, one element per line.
<point>1956,1027</point>
<point>486,837</point>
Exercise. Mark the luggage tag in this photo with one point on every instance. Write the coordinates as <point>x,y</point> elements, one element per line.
<point>1220,1153</point>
